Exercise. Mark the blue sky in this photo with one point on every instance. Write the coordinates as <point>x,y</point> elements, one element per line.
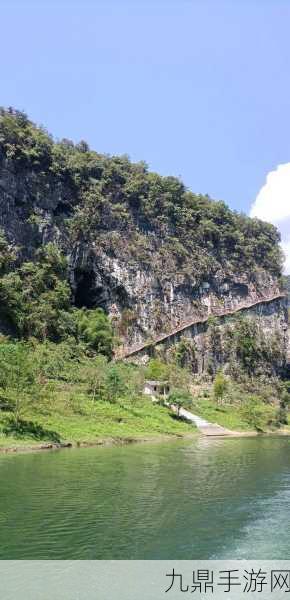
<point>198,88</point>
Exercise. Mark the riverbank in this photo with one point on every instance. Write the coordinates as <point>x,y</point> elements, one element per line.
<point>86,422</point>
<point>153,439</point>
<point>10,445</point>
<point>74,400</point>
<point>161,438</point>
<point>93,423</point>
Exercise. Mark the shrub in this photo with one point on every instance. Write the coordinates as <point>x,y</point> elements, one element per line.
<point>186,353</point>
<point>36,296</point>
<point>94,329</point>
<point>181,399</point>
<point>17,378</point>
<point>258,414</point>
<point>157,370</point>
<point>220,386</point>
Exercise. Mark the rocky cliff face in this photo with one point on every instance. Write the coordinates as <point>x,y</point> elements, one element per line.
<point>254,339</point>
<point>140,301</point>
<point>142,247</point>
<point>143,304</point>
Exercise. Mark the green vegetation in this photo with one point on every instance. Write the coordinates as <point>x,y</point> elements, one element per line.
<point>259,415</point>
<point>247,406</point>
<point>118,203</point>
<point>219,386</point>
<point>35,300</point>
<point>245,348</point>
<point>92,423</point>
<point>56,379</point>
<point>254,349</point>
<point>226,415</point>
<point>93,329</point>
<point>35,297</point>
<point>17,380</point>
<point>185,353</point>
<point>52,393</point>
<point>181,399</point>
<point>59,386</point>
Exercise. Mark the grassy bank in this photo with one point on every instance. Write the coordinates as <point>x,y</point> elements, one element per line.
<point>250,404</point>
<point>227,416</point>
<point>57,393</point>
<point>91,423</point>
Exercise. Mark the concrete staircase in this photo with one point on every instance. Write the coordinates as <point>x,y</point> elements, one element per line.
<point>205,427</point>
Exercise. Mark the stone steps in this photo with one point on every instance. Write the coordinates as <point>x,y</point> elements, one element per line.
<point>204,426</point>
<point>215,430</point>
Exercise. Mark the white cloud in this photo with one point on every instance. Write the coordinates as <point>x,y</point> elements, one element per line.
<point>273,204</point>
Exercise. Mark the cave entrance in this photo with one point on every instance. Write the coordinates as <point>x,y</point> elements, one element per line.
<point>85,294</point>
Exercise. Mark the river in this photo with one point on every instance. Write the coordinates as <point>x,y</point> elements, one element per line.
<point>204,498</point>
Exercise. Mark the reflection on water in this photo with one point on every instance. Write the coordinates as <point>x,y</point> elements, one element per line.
<point>207,498</point>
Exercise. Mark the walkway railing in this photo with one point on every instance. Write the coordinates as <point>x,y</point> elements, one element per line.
<point>124,352</point>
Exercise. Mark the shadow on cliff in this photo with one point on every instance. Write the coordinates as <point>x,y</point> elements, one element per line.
<point>30,429</point>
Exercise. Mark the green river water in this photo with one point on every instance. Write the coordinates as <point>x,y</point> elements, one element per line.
<point>205,498</point>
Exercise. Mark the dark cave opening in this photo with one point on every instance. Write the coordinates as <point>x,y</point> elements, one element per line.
<point>241,289</point>
<point>86,292</point>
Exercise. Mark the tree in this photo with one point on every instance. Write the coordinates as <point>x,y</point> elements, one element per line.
<point>258,414</point>
<point>115,384</point>
<point>186,353</point>
<point>17,379</point>
<point>157,370</point>
<point>94,329</point>
<point>180,399</point>
<point>35,296</point>
<point>8,254</point>
<point>96,375</point>
<point>220,386</point>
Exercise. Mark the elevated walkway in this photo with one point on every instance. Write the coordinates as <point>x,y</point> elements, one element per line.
<point>133,350</point>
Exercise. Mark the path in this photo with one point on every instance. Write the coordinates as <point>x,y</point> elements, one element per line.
<point>204,426</point>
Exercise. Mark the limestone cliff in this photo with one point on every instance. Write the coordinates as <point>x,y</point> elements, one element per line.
<point>151,253</point>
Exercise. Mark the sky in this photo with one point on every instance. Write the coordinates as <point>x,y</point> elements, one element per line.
<point>199,89</point>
